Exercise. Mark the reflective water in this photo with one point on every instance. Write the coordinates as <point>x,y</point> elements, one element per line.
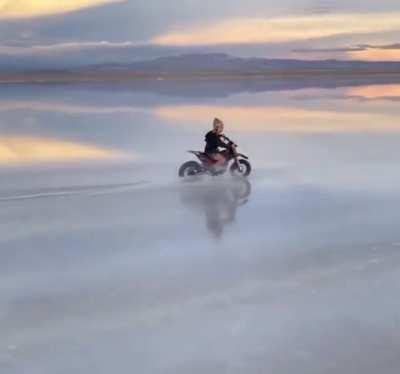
<point>109,263</point>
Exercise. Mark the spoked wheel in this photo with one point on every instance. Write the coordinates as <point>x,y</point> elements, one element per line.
<point>190,170</point>
<point>243,170</point>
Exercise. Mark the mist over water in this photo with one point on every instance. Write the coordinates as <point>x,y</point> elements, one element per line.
<point>108,262</point>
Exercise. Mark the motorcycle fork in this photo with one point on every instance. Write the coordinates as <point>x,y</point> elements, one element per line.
<point>236,157</point>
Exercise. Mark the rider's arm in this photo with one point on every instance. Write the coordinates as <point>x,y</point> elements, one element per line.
<point>221,143</point>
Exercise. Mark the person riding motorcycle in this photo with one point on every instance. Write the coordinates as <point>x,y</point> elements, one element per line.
<point>215,161</point>
<point>214,142</point>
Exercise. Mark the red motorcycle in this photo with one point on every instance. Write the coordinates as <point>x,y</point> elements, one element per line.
<point>237,163</point>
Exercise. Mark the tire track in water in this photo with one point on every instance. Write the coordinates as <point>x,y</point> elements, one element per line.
<point>75,190</point>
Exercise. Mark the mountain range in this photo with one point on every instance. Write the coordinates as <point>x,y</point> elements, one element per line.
<point>203,65</point>
<point>225,64</point>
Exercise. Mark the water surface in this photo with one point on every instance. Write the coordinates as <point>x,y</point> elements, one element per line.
<point>109,263</point>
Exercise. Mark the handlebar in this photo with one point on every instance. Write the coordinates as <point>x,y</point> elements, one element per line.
<point>229,140</point>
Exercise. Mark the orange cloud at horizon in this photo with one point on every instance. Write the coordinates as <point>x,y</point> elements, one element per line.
<point>16,149</point>
<point>375,91</point>
<point>15,9</point>
<point>279,119</point>
<point>283,29</point>
<point>375,54</point>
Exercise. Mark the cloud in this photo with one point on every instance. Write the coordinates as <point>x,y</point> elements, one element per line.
<point>20,9</point>
<point>387,46</point>
<point>370,52</point>
<point>328,50</point>
<point>279,119</point>
<point>367,52</point>
<point>357,48</point>
<point>376,54</point>
<point>284,29</point>
<point>62,47</point>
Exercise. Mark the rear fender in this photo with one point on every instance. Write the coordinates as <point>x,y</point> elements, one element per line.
<point>201,156</point>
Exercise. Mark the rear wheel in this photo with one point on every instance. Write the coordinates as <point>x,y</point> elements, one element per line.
<point>244,171</point>
<point>190,169</point>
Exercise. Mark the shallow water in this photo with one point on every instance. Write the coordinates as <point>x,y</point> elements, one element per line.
<point>109,263</point>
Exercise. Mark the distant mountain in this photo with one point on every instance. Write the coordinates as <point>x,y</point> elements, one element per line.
<point>212,65</point>
<point>218,63</point>
<point>80,57</point>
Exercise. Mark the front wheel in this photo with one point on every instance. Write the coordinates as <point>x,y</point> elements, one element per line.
<point>244,171</point>
<point>190,169</point>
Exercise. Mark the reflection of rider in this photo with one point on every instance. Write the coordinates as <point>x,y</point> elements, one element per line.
<point>220,210</point>
<point>214,142</point>
<point>219,202</point>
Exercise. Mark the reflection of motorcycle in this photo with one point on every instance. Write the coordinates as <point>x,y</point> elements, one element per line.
<point>219,201</point>
<point>236,162</point>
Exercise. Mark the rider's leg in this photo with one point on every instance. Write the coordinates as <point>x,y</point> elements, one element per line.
<point>219,162</point>
<point>220,159</point>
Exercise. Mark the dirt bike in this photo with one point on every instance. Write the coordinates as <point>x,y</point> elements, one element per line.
<point>236,163</point>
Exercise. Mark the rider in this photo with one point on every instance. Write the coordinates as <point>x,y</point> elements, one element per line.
<point>214,142</point>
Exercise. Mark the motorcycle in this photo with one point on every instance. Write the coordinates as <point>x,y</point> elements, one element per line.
<point>236,163</point>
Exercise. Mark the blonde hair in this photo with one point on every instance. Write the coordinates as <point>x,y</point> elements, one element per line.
<point>217,123</point>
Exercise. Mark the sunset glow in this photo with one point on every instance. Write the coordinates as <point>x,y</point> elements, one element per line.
<point>259,30</point>
<point>14,9</point>
<point>376,55</point>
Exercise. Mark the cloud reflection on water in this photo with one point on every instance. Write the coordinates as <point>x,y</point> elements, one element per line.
<point>114,123</point>
<point>381,92</point>
<point>64,107</point>
<point>16,150</point>
<point>281,119</point>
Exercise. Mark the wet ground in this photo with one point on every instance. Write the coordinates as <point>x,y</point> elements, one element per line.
<point>109,263</point>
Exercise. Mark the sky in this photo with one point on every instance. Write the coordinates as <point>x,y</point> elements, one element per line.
<point>37,32</point>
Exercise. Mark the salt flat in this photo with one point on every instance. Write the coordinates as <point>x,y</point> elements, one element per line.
<point>116,265</point>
